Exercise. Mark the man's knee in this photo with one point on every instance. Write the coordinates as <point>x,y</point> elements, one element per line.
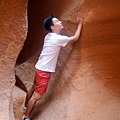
<point>37,96</point>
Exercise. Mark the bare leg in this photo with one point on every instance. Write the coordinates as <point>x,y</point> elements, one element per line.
<point>35,97</point>
<point>29,94</point>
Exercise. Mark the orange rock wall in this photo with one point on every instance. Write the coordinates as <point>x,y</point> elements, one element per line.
<point>86,85</point>
<point>13,24</point>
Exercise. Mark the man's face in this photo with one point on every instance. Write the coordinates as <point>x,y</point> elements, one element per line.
<point>57,24</point>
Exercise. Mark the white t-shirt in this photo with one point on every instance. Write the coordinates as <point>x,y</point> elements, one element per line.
<point>51,48</point>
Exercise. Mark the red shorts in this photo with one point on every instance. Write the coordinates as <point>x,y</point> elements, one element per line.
<point>41,81</point>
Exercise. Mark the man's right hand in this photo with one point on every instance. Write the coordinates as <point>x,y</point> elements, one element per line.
<point>80,17</point>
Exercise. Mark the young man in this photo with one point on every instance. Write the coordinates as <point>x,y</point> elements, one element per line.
<point>48,58</point>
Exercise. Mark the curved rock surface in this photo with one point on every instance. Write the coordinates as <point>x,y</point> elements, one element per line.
<point>13,31</point>
<point>86,85</point>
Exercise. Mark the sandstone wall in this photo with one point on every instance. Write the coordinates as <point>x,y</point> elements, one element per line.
<point>86,85</point>
<point>88,88</point>
<point>13,24</point>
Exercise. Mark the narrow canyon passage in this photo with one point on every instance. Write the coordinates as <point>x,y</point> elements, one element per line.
<point>86,84</point>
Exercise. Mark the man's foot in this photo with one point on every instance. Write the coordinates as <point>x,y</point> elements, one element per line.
<point>24,118</point>
<point>24,108</point>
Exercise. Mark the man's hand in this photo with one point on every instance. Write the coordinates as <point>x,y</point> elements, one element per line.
<point>80,17</point>
<point>75,37</point>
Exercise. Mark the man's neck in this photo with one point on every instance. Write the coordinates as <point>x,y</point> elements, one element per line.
<point>57,32</point>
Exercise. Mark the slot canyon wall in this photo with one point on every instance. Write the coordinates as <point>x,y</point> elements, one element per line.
<point>13,32</point>
<point>86,84</point>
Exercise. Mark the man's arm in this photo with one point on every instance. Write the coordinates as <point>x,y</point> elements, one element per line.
<point>75,37</point>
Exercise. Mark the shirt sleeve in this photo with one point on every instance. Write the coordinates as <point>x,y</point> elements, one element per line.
<point>62,40</point>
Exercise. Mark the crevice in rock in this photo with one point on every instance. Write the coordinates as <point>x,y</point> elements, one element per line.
<point>24,66</point>
<point>33,43</point>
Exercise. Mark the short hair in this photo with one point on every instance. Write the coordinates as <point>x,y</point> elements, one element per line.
<point>48,23</point>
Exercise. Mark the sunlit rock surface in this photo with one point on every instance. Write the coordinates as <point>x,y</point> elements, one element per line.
<point>86,85</point>
<point>13,31</point>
